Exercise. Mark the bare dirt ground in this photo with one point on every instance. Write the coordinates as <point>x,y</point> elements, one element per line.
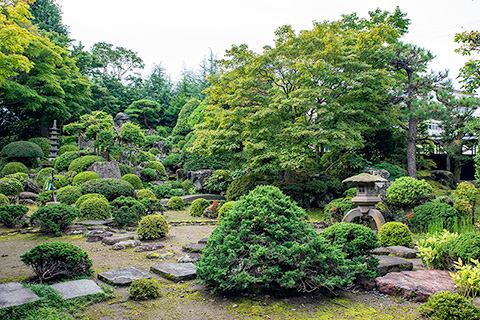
<point>191,300</point>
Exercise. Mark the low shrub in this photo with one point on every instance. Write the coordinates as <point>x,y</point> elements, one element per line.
<point>219,181</point>
<point>154,151</point>
<point>148,175</point>
<point>433,212</point>
<point>67,148</point>
<point>127,211</point>
<point>63,161</point>
<point>433,249</point>
<point>395,234</point>
<point>153,206</point>
<point>84,177</point>
<point>408,192</point>
<point>110,188</point>
<point>187,185</point>
<point>173,160</point>
<point>447,305</point>
<point>243,185</point>
<point>69,175</point>
<point>54,260</point>
<point>43,143</point>
<point>95,208</point>
<point>10,186</point>
<point>55,218</point>
<point>197,207</point>
<point>25,152</point>
<point>59,181</point>
<point>11,215</point>
<point>144,289</point>
<point>14,167</point>
<point>4,200</point>
<point>87,196</point>
<point>156,165</point>
<point>134,180</point>
<point>20,176</point>
<point>69,194</point>
<point>153,226</point>
<point>227,206</point>
<point>43,175</point>
<point>467,277</point>
<point>84,162</point>
<point>145,194</point>
<point>338,208</point>
<point>394,170</point>
<point>162,191</point>
<point>175,203</point>
<point>466,247</point>
<point>124,169</point>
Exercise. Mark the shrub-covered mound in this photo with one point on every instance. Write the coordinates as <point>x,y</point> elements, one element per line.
<point>63,161</point>
<point>83,163</point>
<point>43,175</point>
<point>265,242</point>
<point>43,143</point>
<point>87,196</point>
<point>144,289</point>
<point>94,208</point>
<point>55,218</point>
<point>153,226</point>
<point>148,175</point>
<point>14,167</point>
<point>110,188</point>
<point>84,177</point>
<point>408,192</point>
<point>176,203</point>
<point>22,151</point>
<point>446,305</point>
<point>59,181</point>
<point>127,211</point>
<point>227,206</point>
<point>156,165</point>
<point>11,215</point>
<point>53,260</point>
<point>434,212</point>
<point>197,207</point>
<point>243,185</point>
<point>145,194</point>
<point>395,234</point>
<point>134,180</point>
<point>68,194</point>
<point>10,186</point>
<point>4,200</point>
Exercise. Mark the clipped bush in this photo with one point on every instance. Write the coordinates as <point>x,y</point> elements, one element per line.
<point>134,180</point>
<point>55,218</point>
<point>445,305</point>
<point>95,208</point>
<point>243,185</point>
<point>433,212</point>
<point>14,167</point>
<point>84,162</point>
<point>175,203</point>
<point>84,177</point>
<point>63,161</point>
<point>408,192</point>
<point>197,207</point>
<point>43,143</point>
<point>10,186</point>
<point>43,175</point>
<point>227,206</point>
<point>395,234</point>
<point>144,289</point>
<point>69,175</point>
<point>145,194</point>
<point>219,181</point>
<point>11,215</point>
<point>20,176</point>
<point>265,242</point>
<point>59,181</point>
<point>173,160</point>
<point>153,226</point>
<point>152,206</point>
<point>148,175</point>
<point>110,188</point>
<point>68,194</point>
<point>127,211</point>
<point>124,169</point>
<point>87,196</point>
<point>25,152</point>
<point>67,148</point>
<point>176,184</point>
<point>154,151</point>
<point>156,165</point>
<point>4,200</point>
<point>54,260</point>
<point>44,197</point>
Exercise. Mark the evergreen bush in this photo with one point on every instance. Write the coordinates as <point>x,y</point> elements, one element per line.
<point>134,180</point>
<point>68,194</point>
<point>63,161</point>
<point>124,169</point>
<point>466,247</point>
<point>43,143</point>
<point>145,194</point>
<point>20,176</point>
<point>433,212</point>
<point>54,260</point>
<point>219,181</point>
<point>87,196</point>
<point>59,181</point>
<point>84,162</point>
<point>394,170</point>
<point>25,152</point>
<point>338,208</point>
<point>154,151</point>
<point>175,203</point>
<point>395,234</point>
<point>95,208</point>
<point>153,226</point>
<point>227,206</point>
<point>11,215</point>
<point>69,175</point>
<point>408,192</point>
<point>67,148</point>
<point>187,185</point>
<point>144,289</point>
<point>55,218</point>
<point>127,211</point>
<point>445,305</point>
<point>84,177</point>
<point>4,200</point>
<point>148,175</point>
<point>265,242</point>
<point>152,206</point>
<point>10,186</point>
<point>156,166</point>
<point>197,207</point>
<point>110,188</point>
<point>243,185</point>
<point>14,167</point>
<point>43,175</point>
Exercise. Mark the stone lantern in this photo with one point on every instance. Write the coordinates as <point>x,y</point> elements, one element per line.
<point>365,199</point>
<point>54,133</point>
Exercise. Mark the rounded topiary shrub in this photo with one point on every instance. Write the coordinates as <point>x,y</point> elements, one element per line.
<point>447,305</point>
<point>148,175</point>
<point>55,218</point>
<point>127,211</point>
<point>243,185</point>
<point>84,177</point>
<point>59,181</point>
<point>4,200</point>
<point>265,242</point>
<point>20,176</point>
<point>395,234</point>
<point>87,196</point>
<point>434,213</point>
<point>84,162</point>
<point>10,186</point>
<point>156,165</point>
<point>154,151</point>
<point>124,169</point>
<point>197,207</point>
<point>110,188</point>
<point>63,161</point>
<point>43,175</point>
<point>134,180</point>
<point>11,215</point>
<point>176,203</point>
<point>14,167</point>
<point>144,289</point>
<point>95,208</point>
<point>67,148</point>
<point>145,194</point>
<point>54,260</point>
<point>25,152</point>
<point>153,226</point>
<point>68,194</point>
<point>227,206</point>
<point>43,143</point>
<point>408,192</point>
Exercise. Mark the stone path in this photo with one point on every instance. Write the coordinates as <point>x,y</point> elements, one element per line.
<point>175,271</point>
<point>78,288</point>
<point>14,294</point>
<point>122,277</point>
<point>389,264</point>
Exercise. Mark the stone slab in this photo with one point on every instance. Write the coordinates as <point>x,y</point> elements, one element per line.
<point>203,240</point>
<point>380,251</point>
<point>175,271</point>
<point>190,257</point>
<point>122,277</point>
<point>116,239</point>
<point>95,222</point>
<point>164,254</point>
<point>389,264</point>
<point>149,247</point>
<point>77,288</point>
<point>403,252</point>
<point>193,247</point>
<point>415,285</point>
<point>14,294</point>
<point>122,245</point>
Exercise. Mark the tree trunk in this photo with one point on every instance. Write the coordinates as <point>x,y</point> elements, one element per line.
<point>411,148</point>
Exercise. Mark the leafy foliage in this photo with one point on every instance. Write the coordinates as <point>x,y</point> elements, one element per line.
<point>176,203</point>
<point>148,175</point>
<point>197,207</point>
<point>69,194</point>
<point>10,215</point>
<point>152,227</point>
<point>62,162</point>
<point>10,186</point>
<point>219,181</point>
<point>127,211</point>
<point>395,234</point>
<point>407,192</point>
<point>14,167</point>
<point>243,185</point>
<point>134,180</point>
<point>22,151</point>
<point>84,177</point>
<point>338,208</point>
<point>445,305</point>
<point>156,165</point>
<point>94,208</point>
<point>43,143</point>
<point>83,163</point>
<point>144,289</point>
<point>145,194</point>
<point>434,212</point>
<point>4,200</point>
<point>467,277</point>
<point>394,170</point>
<point>110,188</point>
<point>227,206</point>
<point>55,218</point>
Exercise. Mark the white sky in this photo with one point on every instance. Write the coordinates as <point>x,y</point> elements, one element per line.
<point>181,33</point>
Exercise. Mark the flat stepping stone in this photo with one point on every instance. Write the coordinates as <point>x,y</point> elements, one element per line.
<point>122,277</point>
<point>97,235</point>
<point>116,239</point>
<point>175,271</point>
<point>380,251</point>
<point>122,245</point>
<point>415,285</point>
<point>193,247</point>
<point>149,247</point>
<point>389,264</point>
<point>164,254</point>
<point>95,222</point>
<point>403,252</point>
<point>14,294</point>
<point>190,257</point>
<point>78,288</point>
<point>203,240</point>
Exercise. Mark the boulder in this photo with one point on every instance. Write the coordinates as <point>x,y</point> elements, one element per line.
<point>120,119</point>
<point>116,239</point>
<point>149,247</point>
<point>445,178</point>
<point>97,235</point>
<point>122,245</point>
<point>28,195</point>
<point>198,177</point>
<point>106,169</point>
<point>29,185</point>
<point>181,175</point>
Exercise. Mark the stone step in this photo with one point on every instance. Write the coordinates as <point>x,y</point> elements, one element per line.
<point>78,288</point>
<point>122,277</point>
<point>14,294</point>
<point>389,264</point>
<point>175,271</point>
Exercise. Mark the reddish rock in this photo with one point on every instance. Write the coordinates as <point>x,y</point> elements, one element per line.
<point>415,285</point>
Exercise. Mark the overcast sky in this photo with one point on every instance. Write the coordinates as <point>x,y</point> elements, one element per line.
<point>181,33</point>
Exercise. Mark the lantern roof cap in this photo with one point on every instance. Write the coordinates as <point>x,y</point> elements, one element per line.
<point>365,178</point>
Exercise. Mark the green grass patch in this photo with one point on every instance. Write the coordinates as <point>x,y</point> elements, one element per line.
<point>317,214</point>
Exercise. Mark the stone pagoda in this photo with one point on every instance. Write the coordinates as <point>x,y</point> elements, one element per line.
<point>54,133</point>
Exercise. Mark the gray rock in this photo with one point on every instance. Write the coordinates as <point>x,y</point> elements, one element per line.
<point>403,252</point>
<point>26,201</point>
<point>175,271</point>
<point>77,288</point>
<point>122,245</point>
<point>191,257</point>
<point>164,254</point>
<point>198,177</point>
<point>29,185</point>
<point>106,169</point>
<point>97,235</point>
<point>389,264</point>
<point>380,251</point>
<point>14,294</point>
<point>122,277</point>
<point>28,195</point>
<point>181,175</point>
<point>120,119</point>
<point>149,247</point>
<point>193,247</point>
<point>116,239</point>
<point>203,240</point>
<point>75,229</point>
